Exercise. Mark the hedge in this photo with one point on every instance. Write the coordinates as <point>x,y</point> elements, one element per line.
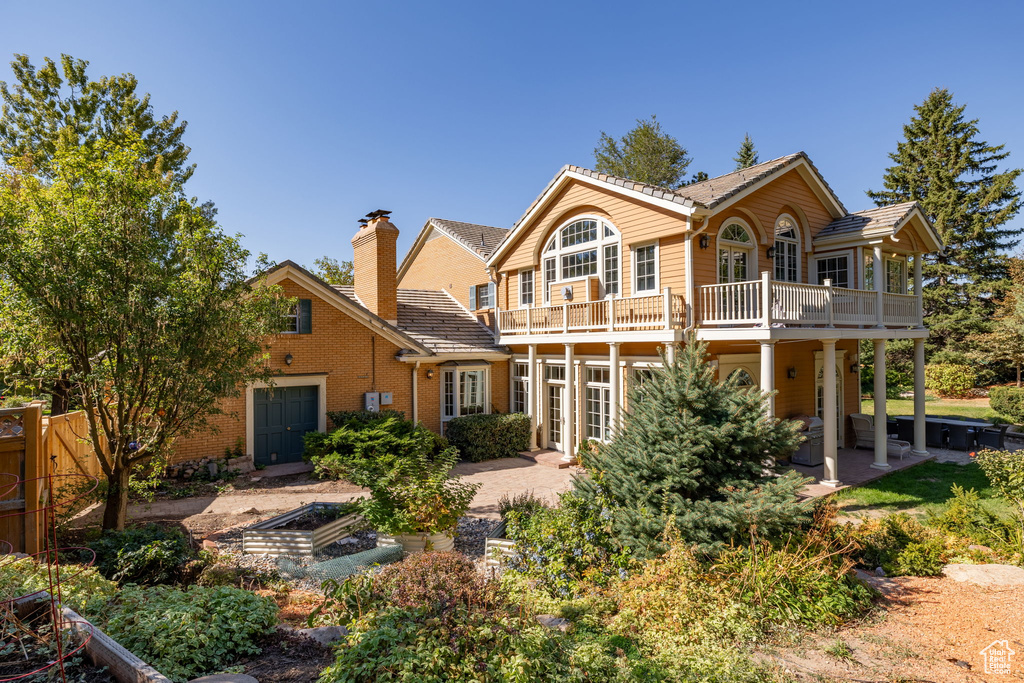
<point>359,418</point>
<point>950,380</point>
<point>487,437</point>
<point>1008,401</point>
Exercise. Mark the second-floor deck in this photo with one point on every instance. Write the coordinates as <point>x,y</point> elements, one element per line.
<point>760,303</point>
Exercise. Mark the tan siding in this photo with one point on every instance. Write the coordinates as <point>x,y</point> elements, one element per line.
<point>441,264</point>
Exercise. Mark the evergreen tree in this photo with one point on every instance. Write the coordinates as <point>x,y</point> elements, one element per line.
<point>698,177</point>
<point>942,164</point>
<point>1003,344</point>
<point>691,452</point>
<point>747,156</point>
<point>645,154</point>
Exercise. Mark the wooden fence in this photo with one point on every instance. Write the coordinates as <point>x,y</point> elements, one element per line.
<point>33,446</point>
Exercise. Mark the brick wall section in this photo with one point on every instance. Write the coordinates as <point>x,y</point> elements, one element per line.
<point>441,264</point>
<point>340,347</point>
<point>374,262</point>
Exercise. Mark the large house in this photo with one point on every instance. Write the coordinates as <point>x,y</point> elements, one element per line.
<point>558,315</point>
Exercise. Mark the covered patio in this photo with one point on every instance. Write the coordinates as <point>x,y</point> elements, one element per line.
<point>855,468</point>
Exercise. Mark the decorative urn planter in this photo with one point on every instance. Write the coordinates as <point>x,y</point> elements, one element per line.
<point>418,543</point>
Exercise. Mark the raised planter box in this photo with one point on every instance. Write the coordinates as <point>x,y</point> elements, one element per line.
<point>267,538</point>
<point>418,543</point>
<point>497,548</point>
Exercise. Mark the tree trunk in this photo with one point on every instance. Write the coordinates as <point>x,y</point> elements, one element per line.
<point>60,396</point>
<point>115,514</point>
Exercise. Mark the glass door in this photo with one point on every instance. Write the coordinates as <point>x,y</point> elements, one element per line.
<point>554,416</point>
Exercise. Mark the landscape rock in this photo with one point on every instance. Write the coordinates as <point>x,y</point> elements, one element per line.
<point>981,548</point>
<point>247,511</point>
<point>209,545</point>
<point>879,571</point>
<point>212,467</point>
<point>553,622</point>
<point>989,575</point>
<point>325,635</point>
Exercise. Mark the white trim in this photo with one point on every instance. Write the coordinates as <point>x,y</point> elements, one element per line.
<point>819,363</point>
<point>787,240</point>
<point>812,265</point>
<point>533,286</point>
<point>750,246</point>
<point>813,179</point>
<point>559,252</point>
<point>456,370</point>
<point>319,381</point>
<point>634,290</point>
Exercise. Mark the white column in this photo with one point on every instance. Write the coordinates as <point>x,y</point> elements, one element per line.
<point>539,406</point>
<point>879,277</point>
<point>531,394</point>
<point>614,375</point>
<point>569,406</point>
<point>881,437</point>
<point>918,287</point>
<point>670,353</point>
<point>920,445</point>
<point>768,375</point>
<point>828,408</point>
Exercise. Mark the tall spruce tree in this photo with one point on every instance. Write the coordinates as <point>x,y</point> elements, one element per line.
<point>943,164</point>
<point>747,156</point>
<point>645,154</point>
<point>691,452</point>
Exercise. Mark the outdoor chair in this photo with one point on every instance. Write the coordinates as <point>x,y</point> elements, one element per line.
<point>935,434</point>
<point>961,437</point>
<point>864,430</point>
<point>993,437</point>
<point>892,428</point>
<point>905,430</point>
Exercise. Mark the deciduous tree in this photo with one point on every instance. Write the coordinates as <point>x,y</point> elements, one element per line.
<point>645,154</point>
<point>334,273</point>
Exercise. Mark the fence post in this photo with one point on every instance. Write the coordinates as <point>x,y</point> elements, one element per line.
<point>667,305</point>
<point>529,320</point>
<point>565,318</point>
<point>35,468</point>
<point>611,314</point>
<point>828,302</point>
<point>766,299</point>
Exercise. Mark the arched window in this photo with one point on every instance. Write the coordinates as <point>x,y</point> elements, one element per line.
<point>787,249</point>
<point>579,249</point>
<point>735,252</point>
<point>744,380</point>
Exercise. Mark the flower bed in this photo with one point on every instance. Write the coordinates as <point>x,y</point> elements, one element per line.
<point>270,537</point>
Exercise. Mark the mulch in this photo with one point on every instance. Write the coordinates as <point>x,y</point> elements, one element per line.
<point>288,657</point>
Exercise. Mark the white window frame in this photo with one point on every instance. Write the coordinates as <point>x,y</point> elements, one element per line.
<point>604,401</point>
<point>523,280</point>
<point>456,373</point>
<point>633,252</point>
<point>787,240</point>
<point>750,247</point>
<point>290,316</point>
<point>517,381</point>
<point>812,277</point>
<point>557,252</point>
<point>902,260</point>
<point>729,363</point>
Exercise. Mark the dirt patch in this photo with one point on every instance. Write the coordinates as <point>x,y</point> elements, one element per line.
<point>288,658</point>
<point>315,519</point>
<point>930,629</point>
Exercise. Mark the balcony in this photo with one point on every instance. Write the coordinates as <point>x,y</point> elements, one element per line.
<point>753,304</point>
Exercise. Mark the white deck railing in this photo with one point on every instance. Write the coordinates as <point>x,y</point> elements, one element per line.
<point>663,311</point>
<point>764,303</point>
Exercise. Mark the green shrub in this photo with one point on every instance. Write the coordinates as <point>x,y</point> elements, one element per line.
<point>896,383</point>
<point>79,584</point>
<point>367,441</point>
<point>921,559</point>
<point>185,634</point>
<point>899,544</point>
<point>1009,402</point>
<point>361,418</point>
<point>144,555</point>
<point>487,437</point>
<point>525,503</point>
<point>949,380</point>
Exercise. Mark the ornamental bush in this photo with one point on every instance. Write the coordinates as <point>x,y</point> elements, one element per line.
<point>487,437</point>
<point>367,437</point>
<point>185,634</point>
<point>145,555</point>
<point>1008,401</point>
<point>950,380</point>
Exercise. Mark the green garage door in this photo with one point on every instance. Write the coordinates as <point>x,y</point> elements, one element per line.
<point>282,416</point>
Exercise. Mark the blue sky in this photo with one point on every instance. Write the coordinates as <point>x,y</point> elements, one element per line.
<point>304,116</point>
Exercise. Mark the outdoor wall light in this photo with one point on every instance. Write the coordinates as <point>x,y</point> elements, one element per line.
<point>704,241</point>
<point>771,252</point>
<point>288,359</point>
<point>791,373</point>
<point>853,367</point>
<point>430,373</point>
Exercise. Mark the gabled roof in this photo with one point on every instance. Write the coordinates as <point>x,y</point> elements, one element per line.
<point>479,240</point>
<point>701,198</point>
<point>880,222</point>
<point>437,322</point>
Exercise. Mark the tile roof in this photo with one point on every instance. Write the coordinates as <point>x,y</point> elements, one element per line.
<point>437,321</point>
<point>867,221</point>
<point>482,239</point>
<point>652,190</point>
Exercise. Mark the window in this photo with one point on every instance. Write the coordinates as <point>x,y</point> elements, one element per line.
<point>464,391</point>
<point>597,395</point>
<point>554,373</point>
<point>787,250</point>
<point>744,380</point>
<point>583,248</point>
<point>645,267</point>
<point>835,268</point>
<point>520,380</point>
<point>735,253</point>
<point>526,288</point>
<point>481,296</point>
<point>895,276</point>
<point>299,319</point>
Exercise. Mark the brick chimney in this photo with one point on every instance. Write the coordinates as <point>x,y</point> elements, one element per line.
<point>374,266</point>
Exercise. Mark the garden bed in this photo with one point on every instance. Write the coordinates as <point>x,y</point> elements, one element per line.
<point>302,531</point>
<point>497,548</point>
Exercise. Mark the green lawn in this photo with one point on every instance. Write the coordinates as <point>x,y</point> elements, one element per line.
<point>934,406</point>
<point>919,490</point>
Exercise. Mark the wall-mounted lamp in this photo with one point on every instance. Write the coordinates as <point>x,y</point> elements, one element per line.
<point>771,252</point>
<point>288,359</point>
<point>704,241</point>
<point>854,366</point>
<point>430,373</point>
<point>791,373</point>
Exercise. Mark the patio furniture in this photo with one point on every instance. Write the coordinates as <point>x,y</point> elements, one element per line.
<point>864,430</point>
<point>993,437</point>
<point>892,428</point>
<point>905,429</point>
<point>961,437</point>
<point>935,433</point>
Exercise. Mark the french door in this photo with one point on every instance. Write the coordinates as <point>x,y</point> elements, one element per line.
<point>554,416</point>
